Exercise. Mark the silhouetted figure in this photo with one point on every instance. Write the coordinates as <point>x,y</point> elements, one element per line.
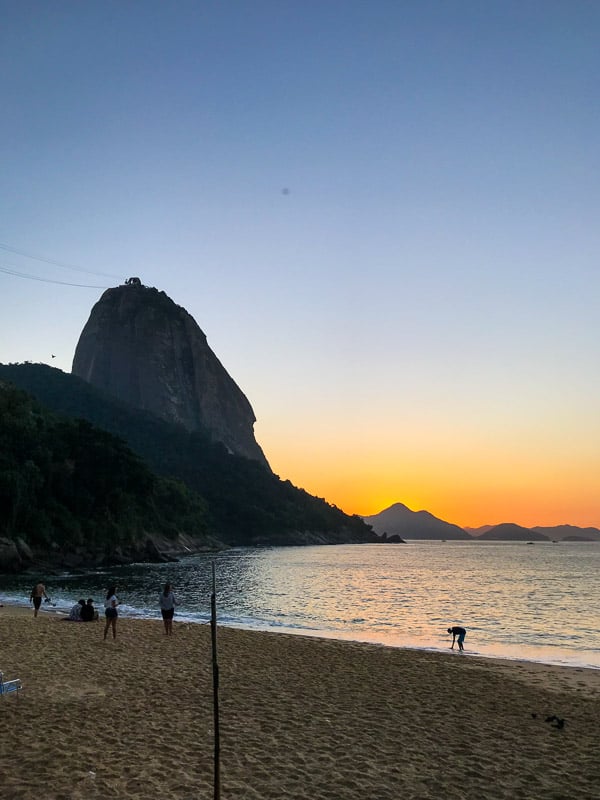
<point>458,635</point>
<point>38,591</point>
<point>88,612</point>
<point>110,612</point>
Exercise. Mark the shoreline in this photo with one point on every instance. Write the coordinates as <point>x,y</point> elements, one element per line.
<point>571,673</point>
<point>301,718</point>
<point>412,646</point>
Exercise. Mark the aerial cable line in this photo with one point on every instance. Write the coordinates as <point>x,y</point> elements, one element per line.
<point>56,263</point>
<point>48,280</point>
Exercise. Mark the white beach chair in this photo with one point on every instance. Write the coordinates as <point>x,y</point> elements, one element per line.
<point>7,687</point>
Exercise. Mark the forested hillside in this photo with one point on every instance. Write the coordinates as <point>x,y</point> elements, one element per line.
<point>75,493</point>
<point>246,504</point>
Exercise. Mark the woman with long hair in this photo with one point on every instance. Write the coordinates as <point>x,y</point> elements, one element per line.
<point>167,604</point>
<point>110,611</point>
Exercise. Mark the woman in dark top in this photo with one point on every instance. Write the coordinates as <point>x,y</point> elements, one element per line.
<point>110,612</point>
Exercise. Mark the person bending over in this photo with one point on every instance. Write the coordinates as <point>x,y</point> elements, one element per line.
<point>458,635</point>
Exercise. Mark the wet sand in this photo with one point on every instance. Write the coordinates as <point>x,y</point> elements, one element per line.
<point>300,718</point>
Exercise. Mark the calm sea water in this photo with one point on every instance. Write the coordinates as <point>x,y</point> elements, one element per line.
<point>537,602</point>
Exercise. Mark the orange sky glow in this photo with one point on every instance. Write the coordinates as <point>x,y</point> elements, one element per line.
<point>507,484</point>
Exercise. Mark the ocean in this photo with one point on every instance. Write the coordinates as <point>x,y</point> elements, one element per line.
<point>536,602</point>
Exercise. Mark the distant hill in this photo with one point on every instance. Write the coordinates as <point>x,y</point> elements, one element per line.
<point>246,504</point>
<point>557,533</point>
<point>510,532</point>
<point>570,533</point>
<point>399,519</point>
<point>478,531</point>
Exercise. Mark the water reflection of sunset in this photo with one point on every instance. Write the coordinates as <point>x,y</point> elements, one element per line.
<point>516,602</point>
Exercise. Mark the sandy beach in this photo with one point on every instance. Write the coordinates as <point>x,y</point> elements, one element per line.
<point>299,717</point>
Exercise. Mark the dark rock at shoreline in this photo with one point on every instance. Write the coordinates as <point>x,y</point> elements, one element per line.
<point>54,560</point>
<point>10,560</point>
<point>393,539</point>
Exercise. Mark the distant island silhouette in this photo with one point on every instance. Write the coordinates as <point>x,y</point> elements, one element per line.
<point>399,520</point>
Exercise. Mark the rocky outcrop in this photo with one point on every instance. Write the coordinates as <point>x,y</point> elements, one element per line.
<point>393,539</point>
<point>146,350</point>
<point>10,560</point>
<point>17,556</point>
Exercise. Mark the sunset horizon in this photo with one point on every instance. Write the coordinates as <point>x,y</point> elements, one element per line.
<point>382,216</point>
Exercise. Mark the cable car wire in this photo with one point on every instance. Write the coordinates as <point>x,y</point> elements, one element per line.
<point>8,271</point>
<point>10,249</point>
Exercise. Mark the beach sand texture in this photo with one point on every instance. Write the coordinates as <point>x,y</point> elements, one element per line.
<point>300,718</point>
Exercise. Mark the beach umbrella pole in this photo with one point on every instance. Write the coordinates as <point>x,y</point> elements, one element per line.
<point>215,671</point>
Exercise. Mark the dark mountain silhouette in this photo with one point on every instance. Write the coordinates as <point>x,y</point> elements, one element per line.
<point>246,503</point>
<point>508,531</point>
<point>141,347</point>
<point>557,533</point>
<point>478,531</point>
<point>399,519</point>
<point>569,533</point>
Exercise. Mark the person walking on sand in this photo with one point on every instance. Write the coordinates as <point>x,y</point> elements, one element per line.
<point>167,603</point>
<point>38,591</point>
<point>458,634</point>
<point>110,611</point>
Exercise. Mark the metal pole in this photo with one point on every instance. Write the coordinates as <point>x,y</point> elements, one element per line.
<point>215,670</point>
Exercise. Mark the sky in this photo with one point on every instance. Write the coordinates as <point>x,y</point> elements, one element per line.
<point>383,215</point>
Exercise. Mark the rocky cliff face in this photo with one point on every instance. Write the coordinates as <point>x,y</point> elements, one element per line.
<point>146,350</point>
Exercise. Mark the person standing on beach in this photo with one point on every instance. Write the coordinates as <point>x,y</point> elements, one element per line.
<point>167,603</point>
<point>110,611</point>
<point>459,632</point>
<point>38,591</point>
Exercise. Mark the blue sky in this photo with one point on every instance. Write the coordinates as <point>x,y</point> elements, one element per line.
<point>383,215</point>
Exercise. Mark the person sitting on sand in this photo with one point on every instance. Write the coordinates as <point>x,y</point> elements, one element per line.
<point>38,591</point>
<point>459,632</point>
<point>88,612</point>
<point>75,614</point>
<point>167,603</point>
